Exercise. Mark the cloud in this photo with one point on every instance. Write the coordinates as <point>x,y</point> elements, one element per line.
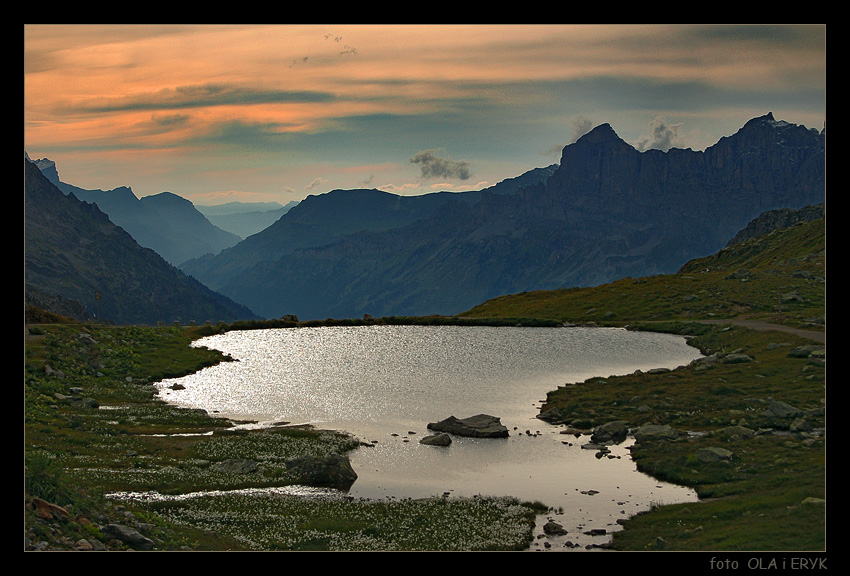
<point>203,96</point>
<point>318,182</point>
<point>581,126</point>
<point>663,136</point>
<point>433,166</point>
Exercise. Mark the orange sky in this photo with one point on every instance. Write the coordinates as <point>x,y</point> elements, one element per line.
<point>273,113</point>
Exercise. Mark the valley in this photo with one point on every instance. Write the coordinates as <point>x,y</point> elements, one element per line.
<point>745,428</point>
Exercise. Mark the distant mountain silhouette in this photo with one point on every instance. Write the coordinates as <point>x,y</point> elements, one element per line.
<point>606,212</point>
<point>323,219</point>
<point>245,218</point>
<point>165,222</point>
<point>74,252</point>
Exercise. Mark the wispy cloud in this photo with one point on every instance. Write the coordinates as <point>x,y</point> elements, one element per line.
<point>393,95</point>
<point>199,96</point>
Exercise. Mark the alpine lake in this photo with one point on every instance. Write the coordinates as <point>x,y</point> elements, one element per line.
<point>385,384</point>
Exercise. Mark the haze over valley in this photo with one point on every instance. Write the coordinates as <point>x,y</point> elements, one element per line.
<point>607,211</point>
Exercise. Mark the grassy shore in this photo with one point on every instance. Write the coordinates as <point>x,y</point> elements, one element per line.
<point>94,427</point>
<point>101,447</point>
<point>760,471</point>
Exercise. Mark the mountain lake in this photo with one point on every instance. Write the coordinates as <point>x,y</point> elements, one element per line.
<point>384,384</point>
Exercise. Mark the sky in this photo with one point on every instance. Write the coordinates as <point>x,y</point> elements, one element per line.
<point>273,113</point>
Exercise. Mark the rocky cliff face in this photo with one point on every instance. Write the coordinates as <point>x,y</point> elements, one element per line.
<point>776,220</point>
<point>608,211</point>
<point>766,165</point>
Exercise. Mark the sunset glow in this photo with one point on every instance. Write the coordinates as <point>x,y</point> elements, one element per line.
<point>273,113</point>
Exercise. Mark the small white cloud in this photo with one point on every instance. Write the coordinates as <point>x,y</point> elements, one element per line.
<point>581,126</point>
<point>318,182</point>
<point>662,136</point>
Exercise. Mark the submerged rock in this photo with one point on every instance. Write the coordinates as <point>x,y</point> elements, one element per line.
<point>440,439</point>
<point>479,426</point>
<point>553,528</point>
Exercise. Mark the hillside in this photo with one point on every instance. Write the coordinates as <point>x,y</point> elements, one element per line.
<point>607,211</point>
<point>166,223</point>
<point>316,221</point>
<point>774,219</point>
<point>73,250</point>
<point>778,277</point>
<point>322,220</point>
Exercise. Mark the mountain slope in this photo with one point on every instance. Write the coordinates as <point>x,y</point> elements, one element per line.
<point>776,219</point>
<point>777,276</point>
<point>607,211</point>
<point>166,223</point>
<point>244,218</point>
<point>326,218</point>
<point>73,250</point>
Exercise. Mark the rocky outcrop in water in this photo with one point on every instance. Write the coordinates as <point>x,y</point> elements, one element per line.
<point>479,426</point>
<point>610,433</point>
<point>440,439</point>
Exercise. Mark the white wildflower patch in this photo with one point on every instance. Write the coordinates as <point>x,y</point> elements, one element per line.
<point>270,520</point>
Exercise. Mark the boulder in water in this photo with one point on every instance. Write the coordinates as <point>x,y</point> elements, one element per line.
<point>439,439</point>
<point>479,426</point>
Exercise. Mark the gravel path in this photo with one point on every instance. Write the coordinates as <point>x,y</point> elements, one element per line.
<point>761,325</point>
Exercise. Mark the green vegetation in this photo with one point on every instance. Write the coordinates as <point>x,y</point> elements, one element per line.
<point>779,278</point>
<point>94,426</point>
<point>768,492</point>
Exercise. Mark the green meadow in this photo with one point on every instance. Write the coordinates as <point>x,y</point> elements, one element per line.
<point>746,426</point>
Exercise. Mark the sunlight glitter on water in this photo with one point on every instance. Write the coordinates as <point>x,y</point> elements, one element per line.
<point>384,384</point>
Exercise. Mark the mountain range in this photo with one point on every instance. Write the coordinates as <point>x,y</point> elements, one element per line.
<point>77,262</point>
<point>165,222</point>
<point>606,211</point>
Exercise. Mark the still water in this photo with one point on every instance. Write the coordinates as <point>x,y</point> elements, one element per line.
<point>384,384</point>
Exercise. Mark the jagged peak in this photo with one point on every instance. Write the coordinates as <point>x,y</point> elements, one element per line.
<point>769,120</point>
<point>601,133</point>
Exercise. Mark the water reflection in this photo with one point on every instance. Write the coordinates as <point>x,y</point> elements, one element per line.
<point>385,383</point>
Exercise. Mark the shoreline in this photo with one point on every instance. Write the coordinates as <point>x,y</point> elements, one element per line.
<point>640,518</point>
<point>575,541</point>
